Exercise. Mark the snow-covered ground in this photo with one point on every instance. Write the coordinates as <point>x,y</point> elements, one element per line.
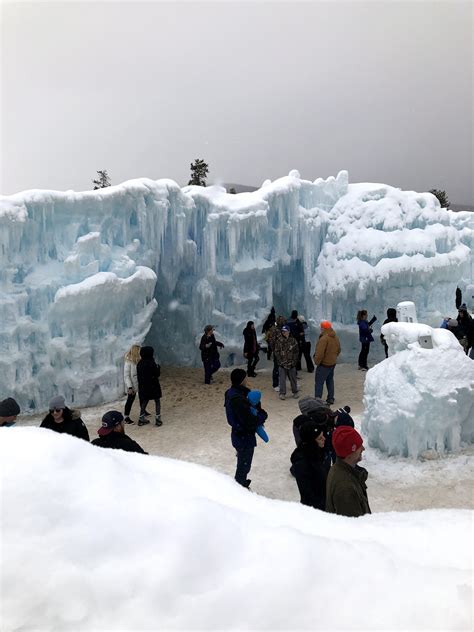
<point>105,540</point>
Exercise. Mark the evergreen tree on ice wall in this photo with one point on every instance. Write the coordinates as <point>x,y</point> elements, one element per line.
<point>102,181</point>
<point>199,171</point>
<point>442,197</point>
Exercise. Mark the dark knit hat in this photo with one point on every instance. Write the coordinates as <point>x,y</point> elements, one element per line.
<point>208,328</point>
<point>345,441</point>
<point>237,377</point>
<point>9,408</point>
<point>310,430</point>
<point>110,420</point>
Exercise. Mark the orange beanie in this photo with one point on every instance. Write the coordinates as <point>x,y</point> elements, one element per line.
<point>325,324</point>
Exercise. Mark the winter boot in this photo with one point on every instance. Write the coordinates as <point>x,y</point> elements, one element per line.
<point>158,421</point>
<point>127,420</point>
<point>142,421</point>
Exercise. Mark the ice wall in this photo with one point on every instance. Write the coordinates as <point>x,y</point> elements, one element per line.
<point>419,399</point>
<point>83,273</point>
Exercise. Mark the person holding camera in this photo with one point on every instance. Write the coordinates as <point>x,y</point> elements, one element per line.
<point>365,337</point>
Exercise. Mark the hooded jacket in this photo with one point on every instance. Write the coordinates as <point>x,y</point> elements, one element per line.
<point>346,491</point>
<point>327,349</point>
<point>72,424</point>
<point>148,374</point>
<point>310,471</point>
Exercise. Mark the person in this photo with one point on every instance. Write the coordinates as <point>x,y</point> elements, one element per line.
<point>346,489</point>
<point>132,358</point>
<point>365,338</point>
<point>294,325</point>
<point>315,409</point>
<point>209,353</point>
<point>243,424</point>
<point>304,347</point>
<point>272,335</point>
<point>327,350</point>
<point>255,398</point>
<point>465,331</point>
<point>309,465</point>
<point>391,318</point>
<point>112,434</point>
<point>286,354</point>
<point>64,420</point>
<point>251,348</point>
<point>267,325</point>
<point>9,411</point>
<point>458,299</point>
<point>149,387</point>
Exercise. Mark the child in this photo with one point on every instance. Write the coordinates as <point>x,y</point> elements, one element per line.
<point>254,398</point>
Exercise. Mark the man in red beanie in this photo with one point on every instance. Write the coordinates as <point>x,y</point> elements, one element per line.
<point>327,349</point>
<point>346,491</point>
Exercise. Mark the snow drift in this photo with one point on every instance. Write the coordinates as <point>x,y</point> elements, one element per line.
<point>84,275</point>
<point>152,543</point>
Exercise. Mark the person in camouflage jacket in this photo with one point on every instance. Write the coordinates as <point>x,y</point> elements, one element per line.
<point>286,354</point>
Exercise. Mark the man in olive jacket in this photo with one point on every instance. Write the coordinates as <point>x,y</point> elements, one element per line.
<point>327,349</point>
<point>346,491</point>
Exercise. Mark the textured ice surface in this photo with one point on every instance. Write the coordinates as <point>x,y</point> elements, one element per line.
<point>80,272</point>
<point>419,399</point>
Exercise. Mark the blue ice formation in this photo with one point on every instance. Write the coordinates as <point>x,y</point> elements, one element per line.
<point>85,275</point>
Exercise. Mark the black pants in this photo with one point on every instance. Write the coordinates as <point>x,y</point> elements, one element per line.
<point>244,463</point>
<point>364,352</point>
<point>252,361</point>
<point>210,367</point>
<point>305,349</point>
<point>129,403</point>
<point>143,405</point>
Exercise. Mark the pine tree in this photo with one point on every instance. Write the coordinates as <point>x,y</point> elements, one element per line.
<point>102,181</point>
<point>199,171</point>
<point>442,197</point>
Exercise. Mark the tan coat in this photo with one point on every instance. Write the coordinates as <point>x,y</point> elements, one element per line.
<point>327,349</point>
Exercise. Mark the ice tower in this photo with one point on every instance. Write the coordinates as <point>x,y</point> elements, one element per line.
<point>85,275</point>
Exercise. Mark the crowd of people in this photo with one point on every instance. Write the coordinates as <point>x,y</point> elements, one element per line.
<point>325,461</point>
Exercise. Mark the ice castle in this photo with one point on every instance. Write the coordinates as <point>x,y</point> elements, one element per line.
<point>85,275</point>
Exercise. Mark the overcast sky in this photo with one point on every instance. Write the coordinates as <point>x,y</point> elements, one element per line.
<point>382,89</point>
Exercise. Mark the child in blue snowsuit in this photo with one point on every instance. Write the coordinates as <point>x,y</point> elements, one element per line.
<point>254,398</point>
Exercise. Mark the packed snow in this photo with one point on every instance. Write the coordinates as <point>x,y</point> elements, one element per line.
<point>85,275</point>
<point>421,398</point>
<point>114,540</point>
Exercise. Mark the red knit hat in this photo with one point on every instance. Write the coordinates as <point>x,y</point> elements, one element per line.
<point>325,324</point>
<point>346,440</point>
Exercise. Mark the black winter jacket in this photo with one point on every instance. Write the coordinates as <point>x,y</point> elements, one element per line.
<point>240,417</point>
<point>118,441</point>
<point>72,424</point>
<point>211,352</point>
<point>310,469</point>
<point>148,374</point>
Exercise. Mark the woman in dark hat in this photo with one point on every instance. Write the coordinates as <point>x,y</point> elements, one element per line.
<point>251,348</point>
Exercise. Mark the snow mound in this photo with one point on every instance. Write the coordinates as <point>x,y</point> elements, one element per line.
<point>419,398</point>
<point>154,543</point>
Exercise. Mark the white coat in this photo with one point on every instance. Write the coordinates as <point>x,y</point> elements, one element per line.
<point>130,375</point>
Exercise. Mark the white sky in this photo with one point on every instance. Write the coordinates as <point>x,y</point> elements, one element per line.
<point>383,89</point>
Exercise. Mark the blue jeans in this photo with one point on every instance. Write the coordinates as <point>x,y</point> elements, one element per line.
<point>210,367</point>
<point>244,463</point>
<point>324,374</point>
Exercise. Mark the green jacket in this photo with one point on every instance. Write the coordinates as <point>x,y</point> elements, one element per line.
<point>346,491</point>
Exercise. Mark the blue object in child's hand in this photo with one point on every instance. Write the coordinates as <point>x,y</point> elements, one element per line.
<point>260,430</point>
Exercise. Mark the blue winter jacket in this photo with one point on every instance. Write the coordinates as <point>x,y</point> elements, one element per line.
<point>240,417</point>
<point>365,334</point>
